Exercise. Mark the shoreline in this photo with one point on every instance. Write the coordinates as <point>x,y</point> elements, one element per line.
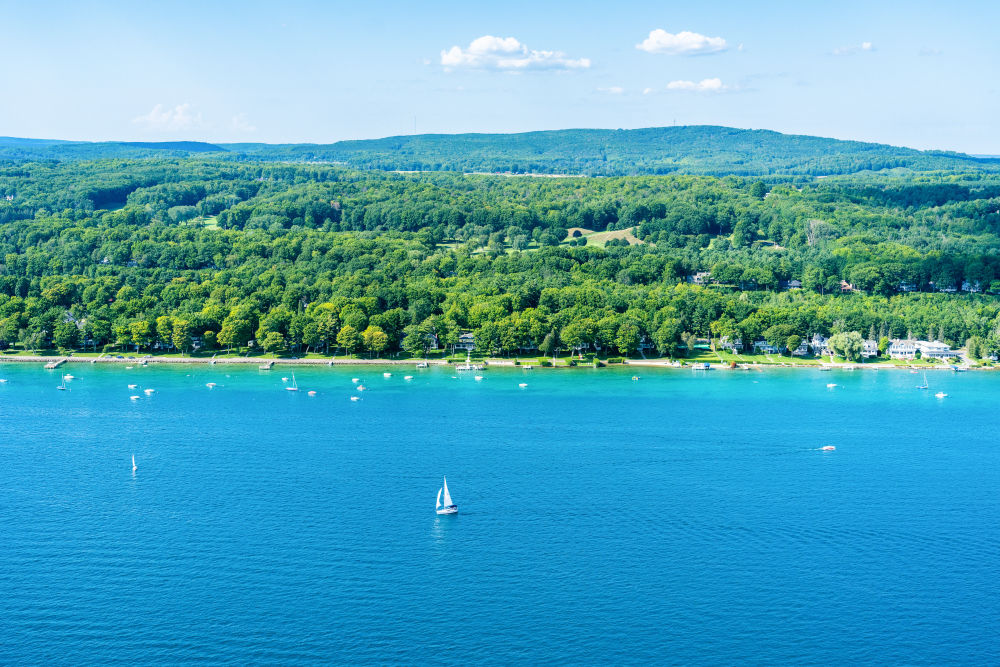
<point>645,363</point>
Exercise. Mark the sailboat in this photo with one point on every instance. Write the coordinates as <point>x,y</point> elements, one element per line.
<point>133,463</point>
<point>295,386</point>
<point>63,386</point>
<point>924,385</point>
<point>449,507</point>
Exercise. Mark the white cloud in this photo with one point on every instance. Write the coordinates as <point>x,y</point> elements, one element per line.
<point>180,117</point>
<point>704,86</point>
<point>928,51</point>
<point>684,43</point>
<point>647,91</point>
<point>508,54</point>
<point>853,49</point>
<point>612,90</point>
<point>241,123</point>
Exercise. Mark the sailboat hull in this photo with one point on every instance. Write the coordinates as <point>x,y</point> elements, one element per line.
<point>451,509</point>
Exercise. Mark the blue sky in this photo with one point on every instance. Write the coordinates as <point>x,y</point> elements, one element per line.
<point>919,74</point>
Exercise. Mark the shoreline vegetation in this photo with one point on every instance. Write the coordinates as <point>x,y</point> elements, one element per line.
<point>748,362</point>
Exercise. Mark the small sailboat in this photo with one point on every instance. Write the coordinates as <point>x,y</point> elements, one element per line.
<point>924,385</point>
<point>295,386</point>
<point>63,386</point>
<point>449,507</point>
<point>133,463</point>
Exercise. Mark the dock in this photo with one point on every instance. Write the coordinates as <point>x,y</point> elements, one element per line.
<point>55,364</point>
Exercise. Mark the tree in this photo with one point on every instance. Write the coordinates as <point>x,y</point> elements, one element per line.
<point>375,339</point>
<point>142,333</point>
<point>549,343</point>
<point>181,335</point>
<point>689,340</point>
<point>627,339</point>
<point>348,338</point>
<point>792,343</point>
<point>273,342</point>
<point>848,344</point>
<point>66,335</point>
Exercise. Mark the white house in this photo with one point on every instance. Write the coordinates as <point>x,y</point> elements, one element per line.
<point>765,347</point>
<point>819,346</point>
<point>734,345</point>
<point>466,341</point>
<point>802,350</point>
<point>700,278</point>
<point>934,349</point>
<point>869,349</point>
<point>902,349</point>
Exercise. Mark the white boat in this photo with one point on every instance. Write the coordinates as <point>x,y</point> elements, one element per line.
<point>210,385</point>
<point>132,386</point>
<point>422,364</point>
<point>355,398</point>
<point>311,393</point>
<point>940,394</point>
<point>449,507</point>
<point>387,375</point>
<point>63,386</point>
<point>295,386</point>
<point>284,379</point>
<point>355,380</point>
<point>828,448</point>
<point>69,377</point>
<point>407,377</point>
<point>924,385</point>
<point>3,381</point>
<point>523,385</point>
<point>479,378</point>
<point>148,391</point>
<point>134,398</point>
<point>831,385</point>
<point>361,387</point>
<point>133,463</point>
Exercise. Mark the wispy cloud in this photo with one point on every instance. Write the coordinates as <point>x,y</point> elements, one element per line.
<point>507,54</point>
<point>928,51</point>
<point>863,47</point>
<point>180,117</point>
<point>612,90</point>
<point>714,85</point>
<point>241,123</point>
<point>684,43</point>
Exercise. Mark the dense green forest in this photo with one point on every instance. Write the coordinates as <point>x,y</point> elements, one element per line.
<point>298,257</point>
<point>699,149</point>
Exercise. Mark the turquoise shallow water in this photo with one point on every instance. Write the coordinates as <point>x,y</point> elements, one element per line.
<point>687,518</point>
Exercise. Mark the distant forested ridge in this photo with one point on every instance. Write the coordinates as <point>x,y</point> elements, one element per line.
<point>158,251</point>
<point>706,150</point>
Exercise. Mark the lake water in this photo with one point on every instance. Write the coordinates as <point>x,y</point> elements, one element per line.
<point>685,518</point>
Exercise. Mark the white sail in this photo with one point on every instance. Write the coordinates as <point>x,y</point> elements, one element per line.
<point>447,496</point>
<point>133,462</point>
<point>438,506</point>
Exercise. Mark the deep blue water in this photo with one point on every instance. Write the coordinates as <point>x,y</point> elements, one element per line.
<point>687,518</point>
